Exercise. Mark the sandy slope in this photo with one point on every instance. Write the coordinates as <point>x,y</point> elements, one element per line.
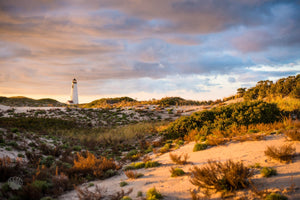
<point>250,152</point>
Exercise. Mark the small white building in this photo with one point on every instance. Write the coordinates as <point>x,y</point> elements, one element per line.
<point>74,93</point>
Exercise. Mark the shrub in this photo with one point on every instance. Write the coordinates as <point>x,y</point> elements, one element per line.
<point>165,148</point>
<point>284,153</point>
<point>199,147</point>
<point>126,198</point>
<point>133,175</point>
<point>176,172</point>
<point>179,159</point>
<point>139,194</point>
<point>88,164</point>
<point>276,196</point>
<point>150,164</point>
<point>268,171</point>
<point>293,134</point>
<point>228,176</point>
<point>41,185</point>
<point>138,165</point>
<point>123,183</point>
<point>60,183</point>
<point>153,194</point>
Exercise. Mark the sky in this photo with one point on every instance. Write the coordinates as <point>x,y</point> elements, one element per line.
<point>195,49</point>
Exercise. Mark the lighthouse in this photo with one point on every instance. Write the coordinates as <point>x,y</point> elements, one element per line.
<point>74,93</point>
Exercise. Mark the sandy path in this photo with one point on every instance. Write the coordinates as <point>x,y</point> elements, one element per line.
<point>249,152</point>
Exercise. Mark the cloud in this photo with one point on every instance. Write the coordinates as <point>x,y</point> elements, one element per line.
<point>145,45</point>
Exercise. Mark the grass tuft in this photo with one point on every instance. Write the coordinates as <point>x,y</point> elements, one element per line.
<point>268,171</point>
<point>133,175</point>
<point>179,159</point>
<point>284,153</point>
<point>176,172</point>
<point>224,177</point>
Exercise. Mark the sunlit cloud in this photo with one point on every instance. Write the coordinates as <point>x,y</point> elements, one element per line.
<point>145,49</point>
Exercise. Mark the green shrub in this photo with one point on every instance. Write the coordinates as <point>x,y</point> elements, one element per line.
<point>276,196</point>
<point>139,194</point>
<point>153,194</point>
<point>199,147</point>
<point>12,143</point>
<point>76,148</point>
<point>138,165</point>
<point>48,161</point>
<point>176,172</point>
<point>126,198</point>
<point>268,171</point>
<point>14,130</point>
<point>150,164</point>
<point>132,153</point>
<point>8,148</point>
<point>123,183</point>
<point>165,148</point>
<point>21,155</point>
<point>243,113</point>
<point>91,185</point>
<point>41,185</point>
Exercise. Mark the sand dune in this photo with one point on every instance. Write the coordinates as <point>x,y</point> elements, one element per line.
<point>249,152</point>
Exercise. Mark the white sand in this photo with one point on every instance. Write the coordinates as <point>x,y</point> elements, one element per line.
<point>250,152</point>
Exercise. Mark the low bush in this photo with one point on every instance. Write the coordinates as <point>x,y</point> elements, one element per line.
<point>126,198</point>
<point>123,183</point>
<point>284,153</point>
<point>179,159</point>
<point>224,177</point>
<point>150,164</point>
<point>60,183</point>
<point>199,147</point>
<point>275,196</point>
<point>165,148</point>
<point>153,194</point>
<point>133,175</point>
<point>176,172</point>
<point>138,165</point>
<point>268,171</point>
<point>87,164</point>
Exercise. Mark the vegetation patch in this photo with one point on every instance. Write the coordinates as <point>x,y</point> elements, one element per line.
<point>268,171</point>
<point>153,194</point>
<point>275,196</point>
<point>199,147</point>
<point>179,159</point>
<point>176,172</point>
<point>221,177</point>
<point>133,175</point>
<point>284,153</point>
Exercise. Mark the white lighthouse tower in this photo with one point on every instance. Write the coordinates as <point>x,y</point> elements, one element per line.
<point>74,93</point>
